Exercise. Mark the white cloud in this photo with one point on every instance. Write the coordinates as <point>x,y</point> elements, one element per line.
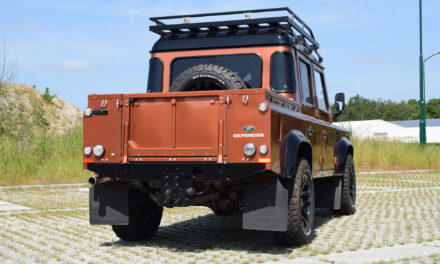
<point>71,66</point>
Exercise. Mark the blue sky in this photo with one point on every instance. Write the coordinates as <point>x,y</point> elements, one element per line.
<point>80,47</point>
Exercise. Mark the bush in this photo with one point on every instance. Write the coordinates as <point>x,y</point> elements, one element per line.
<point>46,96</point>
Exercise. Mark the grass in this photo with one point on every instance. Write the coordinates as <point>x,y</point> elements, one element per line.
<point>42,158</point>
<point>382,154</point>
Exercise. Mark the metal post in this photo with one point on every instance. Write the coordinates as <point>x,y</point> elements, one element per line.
<point>422,86</point>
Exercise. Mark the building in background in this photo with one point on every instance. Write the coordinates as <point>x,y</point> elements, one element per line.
<point>407,131</point>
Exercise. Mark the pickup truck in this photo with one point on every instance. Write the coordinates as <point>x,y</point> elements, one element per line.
<point>236,117</point>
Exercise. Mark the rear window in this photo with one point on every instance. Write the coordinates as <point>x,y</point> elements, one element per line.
<point>246,66</point>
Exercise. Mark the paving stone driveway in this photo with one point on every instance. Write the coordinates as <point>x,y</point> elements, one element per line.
<point>397,220</point>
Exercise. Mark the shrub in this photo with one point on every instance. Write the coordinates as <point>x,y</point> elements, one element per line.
<point>46,96</point>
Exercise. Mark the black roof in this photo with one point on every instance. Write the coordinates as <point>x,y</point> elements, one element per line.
<point>269,30</point>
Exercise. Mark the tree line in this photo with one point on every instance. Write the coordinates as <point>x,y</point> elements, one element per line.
<point>360,108</point>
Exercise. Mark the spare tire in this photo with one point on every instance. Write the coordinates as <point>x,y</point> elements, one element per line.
<point>207,77</point>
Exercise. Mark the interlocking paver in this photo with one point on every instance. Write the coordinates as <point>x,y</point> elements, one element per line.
<point>393,210</point>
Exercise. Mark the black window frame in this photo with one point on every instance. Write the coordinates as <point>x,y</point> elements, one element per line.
<point>311,84</point>
<point>149,84</point>
<point>293,73</point>
<point>220,55</point>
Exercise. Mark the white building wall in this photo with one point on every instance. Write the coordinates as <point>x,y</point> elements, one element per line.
<point>432,134</point>
<point>384,129</point>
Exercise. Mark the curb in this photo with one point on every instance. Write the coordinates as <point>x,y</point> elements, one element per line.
<point>390,172</point>
<point>47,186</point>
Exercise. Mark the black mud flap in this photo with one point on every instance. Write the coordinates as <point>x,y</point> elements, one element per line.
<point>109,203</point>
<point>266,205</point>
<point>328,192</point>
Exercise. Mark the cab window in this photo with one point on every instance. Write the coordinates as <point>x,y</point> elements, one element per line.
<point>304,71</point>
<point>320,92</point>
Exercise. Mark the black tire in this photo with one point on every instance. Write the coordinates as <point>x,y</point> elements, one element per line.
<point>348,197</point>
<point>143,222</point>
<point>206,77</point>
<point>301,208</point>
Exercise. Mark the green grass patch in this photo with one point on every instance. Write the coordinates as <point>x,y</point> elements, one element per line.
<point>382,154</point>
<point>42,158</point>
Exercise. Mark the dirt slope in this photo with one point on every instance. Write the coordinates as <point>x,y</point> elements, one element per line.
<point>22,108</point>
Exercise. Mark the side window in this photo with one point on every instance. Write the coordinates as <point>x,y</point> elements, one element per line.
<point>282,72</point>
<point>304,71</point>
<point>319,84</point>
<point>155,76</point>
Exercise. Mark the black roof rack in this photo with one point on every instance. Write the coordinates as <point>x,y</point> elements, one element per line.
<point>290,23</point>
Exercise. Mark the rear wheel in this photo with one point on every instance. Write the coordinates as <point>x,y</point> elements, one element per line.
<point>348,197</point>
<point>207,77</point>
<point>144,220</point>
<point>301,209</point>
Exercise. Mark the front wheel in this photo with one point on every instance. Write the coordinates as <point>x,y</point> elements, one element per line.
<point>144,220</point>
<point>301,209</point>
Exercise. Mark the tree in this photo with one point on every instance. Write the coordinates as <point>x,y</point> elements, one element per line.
<point>433,108</point>
<point>7,69</point>
<point>360,108</point>
<point>414,106</point>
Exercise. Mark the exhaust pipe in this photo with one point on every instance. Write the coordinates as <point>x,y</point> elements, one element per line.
<point>92,181</point>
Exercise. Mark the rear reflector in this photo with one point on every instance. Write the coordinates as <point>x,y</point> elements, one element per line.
<point>87,160</point>
<point>263,160</point>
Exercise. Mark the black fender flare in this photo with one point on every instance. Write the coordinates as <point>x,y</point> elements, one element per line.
<point>342,149</point>
<point>291,145</point>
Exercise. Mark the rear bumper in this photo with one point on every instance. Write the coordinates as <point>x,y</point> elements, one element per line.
<point>200,171</point>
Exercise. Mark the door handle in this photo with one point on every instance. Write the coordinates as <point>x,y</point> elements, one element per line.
<point>325,134</point>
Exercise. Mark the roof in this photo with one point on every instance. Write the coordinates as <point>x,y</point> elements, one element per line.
<point>223,40</point>
<point>415,123</point>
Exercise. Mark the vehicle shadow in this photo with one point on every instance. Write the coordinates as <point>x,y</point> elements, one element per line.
<point>217,232</point>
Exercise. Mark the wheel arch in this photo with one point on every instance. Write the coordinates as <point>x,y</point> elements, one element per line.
<point>293,146</point>
<point>343,148</point>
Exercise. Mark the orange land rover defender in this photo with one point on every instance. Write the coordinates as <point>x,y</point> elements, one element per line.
<point>236,117</point>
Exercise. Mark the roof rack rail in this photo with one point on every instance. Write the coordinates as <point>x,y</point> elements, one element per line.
<point>291,23</point>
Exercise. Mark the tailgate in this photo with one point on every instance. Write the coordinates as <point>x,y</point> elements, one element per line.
<point>104,127</point>
<point>175,125</point>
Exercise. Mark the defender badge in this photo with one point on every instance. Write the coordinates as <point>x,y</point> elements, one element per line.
<point>248,129</point>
